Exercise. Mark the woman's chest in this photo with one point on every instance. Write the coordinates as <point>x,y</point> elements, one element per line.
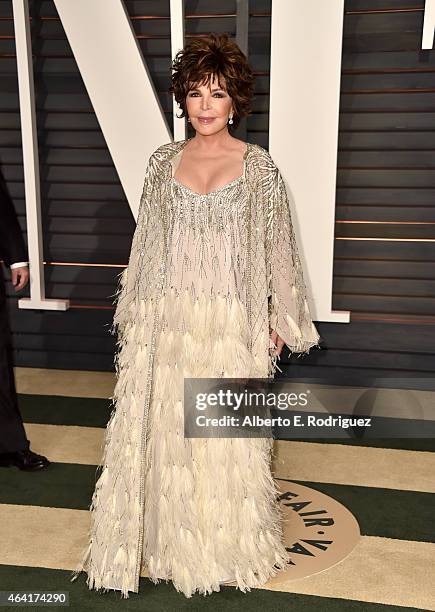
<point>222,209</point>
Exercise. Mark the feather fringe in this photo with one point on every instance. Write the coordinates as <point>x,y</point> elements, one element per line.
<point>211,510</point>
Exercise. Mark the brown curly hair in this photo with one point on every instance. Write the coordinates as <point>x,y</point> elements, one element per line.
<point>214,55</point>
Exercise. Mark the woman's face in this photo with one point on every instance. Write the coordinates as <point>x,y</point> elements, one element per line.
<point>209,107</point>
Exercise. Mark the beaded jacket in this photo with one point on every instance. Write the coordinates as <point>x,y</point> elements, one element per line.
<point>276,293</point>
<point>275,297</point>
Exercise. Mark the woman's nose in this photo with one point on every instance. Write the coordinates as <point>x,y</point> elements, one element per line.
<point>205,103</point>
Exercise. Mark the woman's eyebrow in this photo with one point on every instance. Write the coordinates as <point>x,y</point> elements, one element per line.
<point>213,90</point>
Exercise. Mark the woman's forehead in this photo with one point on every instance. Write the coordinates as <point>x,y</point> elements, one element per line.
<point>209,81</point>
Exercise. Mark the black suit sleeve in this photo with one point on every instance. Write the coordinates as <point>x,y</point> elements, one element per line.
<point>12,246</point>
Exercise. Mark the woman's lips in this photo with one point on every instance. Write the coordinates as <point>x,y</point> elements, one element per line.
<point>206,120</point>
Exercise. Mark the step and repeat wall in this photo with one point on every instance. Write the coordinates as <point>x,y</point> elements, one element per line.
<point>384,244</point>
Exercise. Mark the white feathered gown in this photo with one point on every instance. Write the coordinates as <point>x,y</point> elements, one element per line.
<point>210,508</point>
<point>206,509</point>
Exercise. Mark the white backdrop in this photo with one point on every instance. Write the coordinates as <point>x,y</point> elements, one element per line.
<point>304,105</point>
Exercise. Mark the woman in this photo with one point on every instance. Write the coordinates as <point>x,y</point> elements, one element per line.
<point>213,288</point>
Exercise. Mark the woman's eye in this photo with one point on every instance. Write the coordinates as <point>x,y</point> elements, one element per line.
<point>193,94</point>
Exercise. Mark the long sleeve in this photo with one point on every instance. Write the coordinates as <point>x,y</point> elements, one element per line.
<point>144,246</point>
<point>19,264</point>
<point>289,313</point>
<point>12,246</point>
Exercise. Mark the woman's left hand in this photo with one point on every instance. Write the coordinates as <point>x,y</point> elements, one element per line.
<point>278,341</point>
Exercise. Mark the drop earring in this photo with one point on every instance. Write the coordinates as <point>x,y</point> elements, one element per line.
<point>188,119</point>
<point>231,120</point>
